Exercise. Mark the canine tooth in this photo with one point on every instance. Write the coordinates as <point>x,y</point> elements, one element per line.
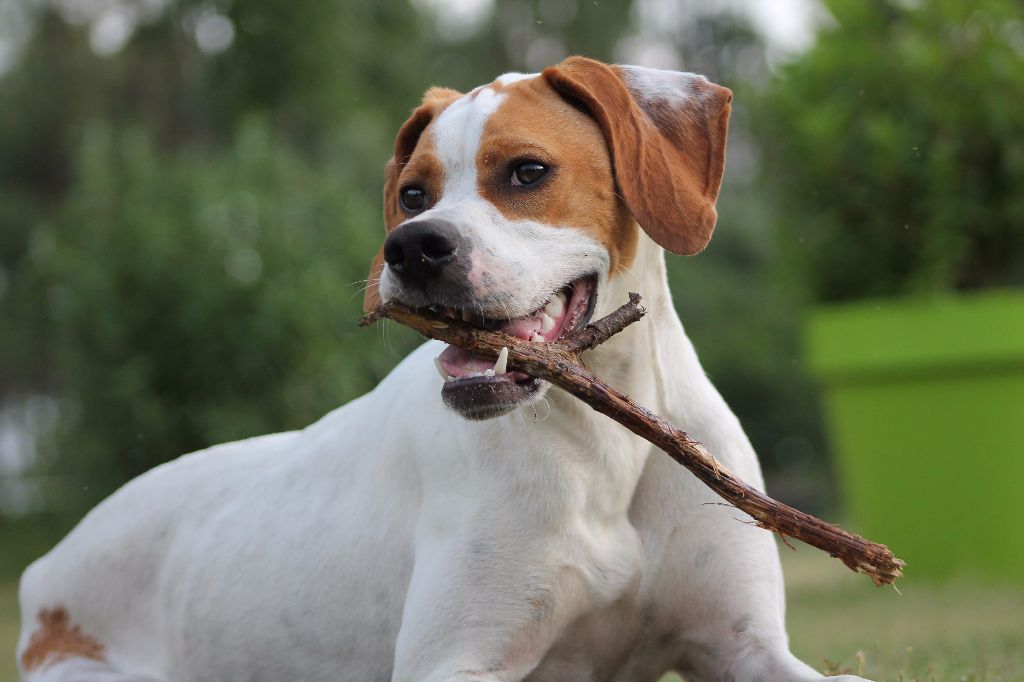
<point>440,369</point>
<point>556,306</point>
<point>502,364</point>
<point>546,323</point>
<point>537,338</point>
<point>488,372</point>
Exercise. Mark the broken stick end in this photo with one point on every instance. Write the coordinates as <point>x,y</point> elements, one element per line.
<point>376,315</point>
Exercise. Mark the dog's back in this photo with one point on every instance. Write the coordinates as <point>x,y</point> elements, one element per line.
<point>236,562</point>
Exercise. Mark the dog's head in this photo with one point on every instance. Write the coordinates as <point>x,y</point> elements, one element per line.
<point>512,206</point>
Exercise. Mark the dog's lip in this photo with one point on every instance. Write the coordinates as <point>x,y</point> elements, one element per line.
<point>566,311</point>
<point>484,397</point>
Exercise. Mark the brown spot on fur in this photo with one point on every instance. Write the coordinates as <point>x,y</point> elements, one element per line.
<point>425,171</point>
<point>535,124</point>
<point>57,640</point>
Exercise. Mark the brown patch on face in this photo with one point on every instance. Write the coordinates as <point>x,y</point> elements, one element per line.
<point>423,170</point>
<point>57,640</point>
<point>535,124</point>
<point>413,163</point>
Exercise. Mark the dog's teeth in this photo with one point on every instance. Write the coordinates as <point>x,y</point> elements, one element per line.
<point>488,372</point>
<point>556,306</point>
<point>546,323</point>
<point>466,315</point>
<point>440,369</point>
<point>501,365</point>
<point>537,338</point>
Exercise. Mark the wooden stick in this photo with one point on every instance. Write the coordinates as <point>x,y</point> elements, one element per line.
<point>559,363</point>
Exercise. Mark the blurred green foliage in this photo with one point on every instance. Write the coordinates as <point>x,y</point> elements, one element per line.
<point>896,146</point>
<point>202,299</point>
<point>184,230</point>
<point>184,233</point>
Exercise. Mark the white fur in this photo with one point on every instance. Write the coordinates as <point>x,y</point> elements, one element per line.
<point>457,133</point>
<point>393,540</point>
<point>513,77</point>
<point>675,88</point>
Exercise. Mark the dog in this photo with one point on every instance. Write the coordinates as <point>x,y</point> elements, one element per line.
<point>480,525</point>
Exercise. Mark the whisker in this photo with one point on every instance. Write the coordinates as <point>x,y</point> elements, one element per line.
<point>362,289</point>
<point>547,403</point>
<point>629,270</point>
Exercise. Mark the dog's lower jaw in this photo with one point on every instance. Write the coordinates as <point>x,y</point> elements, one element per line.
<point>482,400</point>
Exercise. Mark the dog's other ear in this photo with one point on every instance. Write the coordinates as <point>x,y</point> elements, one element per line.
<point>434,100</point>
<point>666,132</point>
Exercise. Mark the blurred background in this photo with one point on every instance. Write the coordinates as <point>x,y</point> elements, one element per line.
<point>190,199</point>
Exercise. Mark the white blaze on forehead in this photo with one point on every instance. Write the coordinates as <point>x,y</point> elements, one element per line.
<point>457,135</point>
<point>458,132</point>
<point>509,78</point>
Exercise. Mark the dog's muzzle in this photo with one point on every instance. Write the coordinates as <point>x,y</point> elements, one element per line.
<point>430,261</point>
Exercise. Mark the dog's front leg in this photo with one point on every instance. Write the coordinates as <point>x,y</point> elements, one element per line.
<point>487,605</point>
<point>475,613</point>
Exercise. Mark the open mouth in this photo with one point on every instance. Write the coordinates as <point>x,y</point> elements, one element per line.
<point>478,388</point>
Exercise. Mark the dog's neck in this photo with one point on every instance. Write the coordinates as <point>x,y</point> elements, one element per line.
<point>650,355</point>
<point>651,361</point>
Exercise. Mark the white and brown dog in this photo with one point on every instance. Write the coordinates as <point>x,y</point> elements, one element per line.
<point>515,534</point>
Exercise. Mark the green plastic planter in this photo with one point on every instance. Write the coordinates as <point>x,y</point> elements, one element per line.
<point>925,404</point>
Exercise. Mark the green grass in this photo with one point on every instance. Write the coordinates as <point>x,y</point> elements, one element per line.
<point>967,630</point>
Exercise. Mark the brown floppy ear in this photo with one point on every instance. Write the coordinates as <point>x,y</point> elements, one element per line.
<point>434,100</point>
<point>666,132</point>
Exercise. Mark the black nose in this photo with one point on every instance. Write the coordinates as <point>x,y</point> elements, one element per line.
<point>417,252</point>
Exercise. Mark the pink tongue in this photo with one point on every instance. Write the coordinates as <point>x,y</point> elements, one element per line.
<point>459,362</point>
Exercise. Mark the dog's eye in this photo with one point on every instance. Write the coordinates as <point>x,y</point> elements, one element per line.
<point>528,173</point>
<point>413,198</point>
